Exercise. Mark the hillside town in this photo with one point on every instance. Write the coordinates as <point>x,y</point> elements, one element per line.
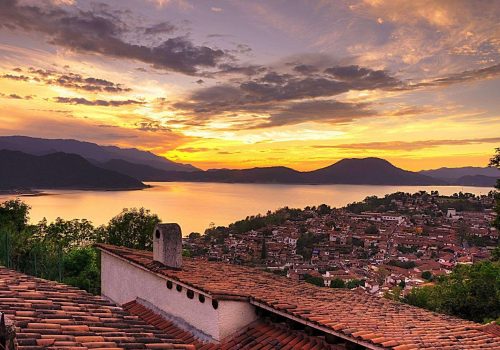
<point>379,245</point>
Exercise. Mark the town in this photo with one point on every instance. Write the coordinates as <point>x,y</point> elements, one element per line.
<point>381,245</point>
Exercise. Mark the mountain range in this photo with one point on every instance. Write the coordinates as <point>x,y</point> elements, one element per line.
<point>466,176</point>
<point>20,170</point>
<point>94,153</point>
<point>366,171</point>
<point>27,162</point>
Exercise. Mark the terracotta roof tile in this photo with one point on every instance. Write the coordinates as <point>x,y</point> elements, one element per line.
<point>51,315</point>
<point>259,335</point>
<point>344,311</point>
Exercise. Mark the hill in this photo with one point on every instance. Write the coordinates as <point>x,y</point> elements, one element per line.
<point>456,173</point>
<point>90,151</point>
<point>19,170</point>
<point>137,171</point>
<point>367,171</point>
<point>476,180</point>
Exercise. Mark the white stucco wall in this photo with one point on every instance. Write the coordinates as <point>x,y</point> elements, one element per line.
<point>122,282</point>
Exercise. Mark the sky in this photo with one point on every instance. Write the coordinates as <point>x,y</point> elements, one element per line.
<point>238,84</point>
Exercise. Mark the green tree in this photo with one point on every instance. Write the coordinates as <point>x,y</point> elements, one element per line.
<point>318,281</point>
<point>194,235</point>
<point>132,228</point>
<point>427,275</point>
<point>263,251</point>
<point>82,269</point>
<point>372,230</point>
<point>470,291</point>
<point>354,283</point>
<point>495,162</point>
<point>337,283</point>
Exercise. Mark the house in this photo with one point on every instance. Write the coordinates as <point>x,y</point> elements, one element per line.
<point>216,301</point>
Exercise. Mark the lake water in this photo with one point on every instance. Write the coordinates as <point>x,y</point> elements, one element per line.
<point>195,205</point>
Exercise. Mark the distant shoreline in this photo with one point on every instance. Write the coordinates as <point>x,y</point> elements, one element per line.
<point>42,192</point>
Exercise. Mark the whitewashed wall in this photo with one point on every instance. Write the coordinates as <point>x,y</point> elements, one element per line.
<point>122,282</point>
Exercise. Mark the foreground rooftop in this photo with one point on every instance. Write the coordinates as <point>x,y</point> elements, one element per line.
<point>362,319</point>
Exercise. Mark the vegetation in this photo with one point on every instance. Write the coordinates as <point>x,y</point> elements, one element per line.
<point>63,250</point>
<point>306,242</point>
<point>470,291</point>
<point>402,264</point>
<point>318,281</point>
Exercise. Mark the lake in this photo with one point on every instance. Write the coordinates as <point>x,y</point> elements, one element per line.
<point>195,205</point>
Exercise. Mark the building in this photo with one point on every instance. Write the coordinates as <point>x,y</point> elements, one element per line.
<point>217,302</point>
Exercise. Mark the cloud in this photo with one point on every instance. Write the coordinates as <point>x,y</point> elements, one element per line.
<point>195,150</point>
<point>104,103</point>
<point>151,125</point>
<point>254,94</point>
<point>16,96</point>
<point>102,33</point>
<point>462,77</point>
<point>332,112</point>
<point>410,145</point>
<point>160,28</point>
<point>76,81</point>
<point>15,77</point>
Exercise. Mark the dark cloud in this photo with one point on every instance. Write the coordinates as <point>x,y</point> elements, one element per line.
<point>462,77</point>
<point>15,77</point>
<point>160,28</point>
<point>361,78</point>
<point>104,103</point>
<point>275,87</point>
<point>151,125</point>
<point>231,68</point>
<point>195,150</point>
<point>332,112</point>
<point>16,96</point>
<point>77,81</point>
<point>305,68</point>
<point>410,145</point>
<point>102,33</point>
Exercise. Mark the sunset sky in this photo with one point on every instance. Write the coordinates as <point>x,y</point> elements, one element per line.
<point>258,83</point>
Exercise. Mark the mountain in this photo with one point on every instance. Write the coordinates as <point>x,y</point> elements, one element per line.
<point>20,170</point>
<point>90,151</point>
<point>253,175</point>
<point>455,173</point>
<point>367,171</point>
<point>476,180</point>
<point>137,171</point>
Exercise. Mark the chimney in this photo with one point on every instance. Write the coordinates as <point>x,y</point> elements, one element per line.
<point>167,245</point>
<point>7,334</point>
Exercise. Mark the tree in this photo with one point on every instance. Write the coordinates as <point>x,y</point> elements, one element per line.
<point>132,228</point>
<point>337,283</point>
<point>263,251</point>
<point>82,270</point>
<point>372,230</point>
<point>470,292</point>
<point>427,275</point>
<point>318,281</point>
<point>495,162</point>
<point>354,283</point>
<point>15,214</point>
<point>194,235</point>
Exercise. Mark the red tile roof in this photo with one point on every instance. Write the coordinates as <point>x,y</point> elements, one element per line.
<point>51,315</point>
<point>348,314</point>
<point>258,335</point>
